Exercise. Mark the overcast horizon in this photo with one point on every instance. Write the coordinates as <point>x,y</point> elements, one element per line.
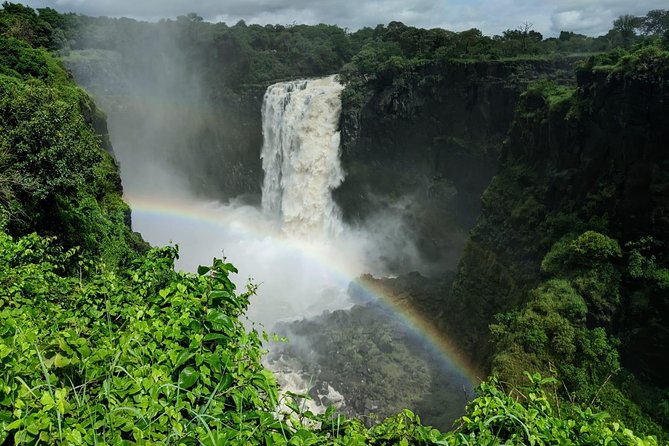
<point>492,17</point>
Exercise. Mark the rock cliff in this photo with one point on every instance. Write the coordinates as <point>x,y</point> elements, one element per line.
<point>593,158</point>
<point>426,144</point>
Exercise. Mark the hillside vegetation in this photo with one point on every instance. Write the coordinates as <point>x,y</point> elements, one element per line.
<point>567,264</point>
<point>56,176</point>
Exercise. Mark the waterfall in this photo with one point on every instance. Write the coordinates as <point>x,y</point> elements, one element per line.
<point>300,155</point>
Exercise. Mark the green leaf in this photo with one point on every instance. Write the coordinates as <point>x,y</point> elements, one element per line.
<point>215,337</point>
<point>202,270</point>
<point>61,361</point>
<point>230,267</point>
<point>224,296</point>
<point>219,320</point>
<point>181,359</point>
<point>226,382</point>
<point>74,437</point>
<point>188,377</point>
<point>47,401</point>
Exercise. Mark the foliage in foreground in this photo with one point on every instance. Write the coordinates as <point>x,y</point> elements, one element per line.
<point>145,354</point>
<point>150,356</point>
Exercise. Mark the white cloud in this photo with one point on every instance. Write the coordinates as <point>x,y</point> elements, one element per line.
<point>592,17</point>
<point>577,21</point>
<point>595,17</point>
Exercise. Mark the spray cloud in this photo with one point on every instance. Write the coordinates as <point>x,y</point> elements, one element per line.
<point>181,170</point>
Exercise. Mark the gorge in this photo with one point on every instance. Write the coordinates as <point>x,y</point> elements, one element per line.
<point>304,258</point>
<point>418,150</point>
<point>447,208</point>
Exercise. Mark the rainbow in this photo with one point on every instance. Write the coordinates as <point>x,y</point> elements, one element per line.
<point>218,216</point>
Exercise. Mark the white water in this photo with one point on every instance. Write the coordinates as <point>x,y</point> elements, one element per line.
<point>320,395</point>
<point>296,247</point>
<point>300,156</point>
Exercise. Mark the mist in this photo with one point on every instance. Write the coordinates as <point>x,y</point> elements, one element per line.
<point>166,137</point>
<point>190,154</point>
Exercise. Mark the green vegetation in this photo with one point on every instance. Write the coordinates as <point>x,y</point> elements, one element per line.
<point>392,54</point>
<point>145,355</point>
<point>56,177</point>
<point>142,353</point>
<point>43,27</point>
<point>563,328</point>
<point>241,56</point>
<point>648,62</point>
<point>231,58</point>
<point>582,291</point>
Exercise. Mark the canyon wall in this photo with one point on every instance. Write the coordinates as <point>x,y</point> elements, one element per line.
<point>426,144</point>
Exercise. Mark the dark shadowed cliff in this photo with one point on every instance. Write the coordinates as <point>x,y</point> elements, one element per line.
<point>425,143</point>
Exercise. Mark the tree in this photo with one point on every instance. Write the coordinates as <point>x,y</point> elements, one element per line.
<point>655,23</point>
<point>568,35</point>
<point>524,37</point>
<point>626,26</point>
<point>190,17</point>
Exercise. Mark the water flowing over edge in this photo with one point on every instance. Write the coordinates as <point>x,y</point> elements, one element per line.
<point>300,156</point>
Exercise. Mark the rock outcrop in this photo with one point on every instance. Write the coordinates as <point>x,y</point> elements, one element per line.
<point>426,144</point>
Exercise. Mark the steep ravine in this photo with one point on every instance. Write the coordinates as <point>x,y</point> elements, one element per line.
<point>469,149</point>
<point>473,108</point>
<point>592,159</point>
<point>426,144</point>
<point>596,161</point>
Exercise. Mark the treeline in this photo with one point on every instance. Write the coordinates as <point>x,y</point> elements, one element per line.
<point>233,56</point>
<point>253,54</point>
<point>397,49</point>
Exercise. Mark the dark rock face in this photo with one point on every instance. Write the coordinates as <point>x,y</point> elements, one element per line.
<point>427,144</point>
<point>596,160</point>
<point>229,148</point>
<point>376,362</point>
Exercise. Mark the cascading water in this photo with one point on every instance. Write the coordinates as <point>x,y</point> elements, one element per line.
<point>300,156</point>
<point>328,355</point>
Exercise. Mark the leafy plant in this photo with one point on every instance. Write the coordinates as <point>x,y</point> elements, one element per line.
<point>145,354</point>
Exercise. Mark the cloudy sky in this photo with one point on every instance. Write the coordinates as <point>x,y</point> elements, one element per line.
<point>591,17</point>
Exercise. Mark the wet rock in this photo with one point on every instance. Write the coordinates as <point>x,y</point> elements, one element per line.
<point>366,360</point>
